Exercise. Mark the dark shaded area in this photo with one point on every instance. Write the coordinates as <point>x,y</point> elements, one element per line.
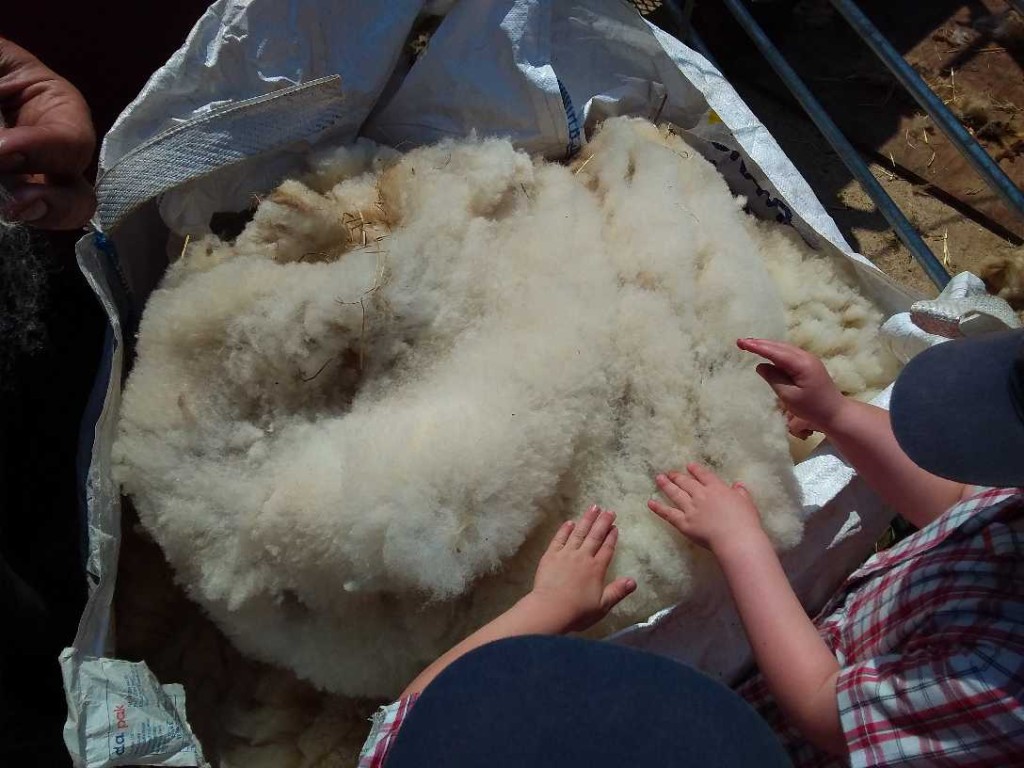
<point>108,52</point>
<point>23,278</point>
<point>42,586</point>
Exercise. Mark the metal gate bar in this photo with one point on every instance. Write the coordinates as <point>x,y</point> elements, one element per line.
<point>947,122</point>
<point>851,159</point>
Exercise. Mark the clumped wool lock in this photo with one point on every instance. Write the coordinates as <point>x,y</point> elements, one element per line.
<point>353,429</point>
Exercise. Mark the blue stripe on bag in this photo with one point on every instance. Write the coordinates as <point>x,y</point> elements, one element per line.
<point>575,131</point>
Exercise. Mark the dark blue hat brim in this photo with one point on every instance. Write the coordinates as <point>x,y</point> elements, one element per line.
<point>956,410</point>
<point>572,703</point>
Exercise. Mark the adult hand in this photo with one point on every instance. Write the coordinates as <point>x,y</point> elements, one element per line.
<point>807,393</point>
<point>571,574</point>
<point>705,509</point>
<point>47,143</point>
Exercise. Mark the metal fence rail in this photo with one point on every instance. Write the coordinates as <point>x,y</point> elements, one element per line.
<point>946,121</point>
<point>679,12</point>
<point>850,157</point>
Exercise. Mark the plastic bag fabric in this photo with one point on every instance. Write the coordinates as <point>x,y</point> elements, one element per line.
<point>259,82</point>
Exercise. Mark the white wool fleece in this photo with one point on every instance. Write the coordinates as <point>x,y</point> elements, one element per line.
<point>353,429</point>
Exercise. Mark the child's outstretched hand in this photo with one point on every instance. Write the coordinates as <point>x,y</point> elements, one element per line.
<point>804,387</point>
<point>568,594</point>
<point>705,509</point>
<point>571,574</point>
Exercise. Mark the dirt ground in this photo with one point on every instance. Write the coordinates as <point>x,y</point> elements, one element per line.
<point>970,53</point>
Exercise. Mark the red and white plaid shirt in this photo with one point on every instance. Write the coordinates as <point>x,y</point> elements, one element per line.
<point>930,638</point>
<point>386,722</point>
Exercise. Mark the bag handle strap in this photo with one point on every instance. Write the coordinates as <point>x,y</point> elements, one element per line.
<point>226,136</point>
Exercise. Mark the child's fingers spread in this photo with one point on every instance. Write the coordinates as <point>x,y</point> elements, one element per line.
<point>607,550</point>
<point>776,378</point>
<point>582,528</point>
<point>562,535</point>
<point>673,492</point>
<point>615,592</point>
<point>671,515</point>
<point>751,345</point>
<point>598,531</point>
<point>766,348</point>
<point>703,475</point>
<point>687,483</point>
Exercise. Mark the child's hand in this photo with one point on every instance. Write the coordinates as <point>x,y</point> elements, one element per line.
<point>568,593</point>
<point>705,509</point>
<point>571,574</point>
<point>808,394</point>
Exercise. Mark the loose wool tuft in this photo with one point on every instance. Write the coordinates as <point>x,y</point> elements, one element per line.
<point>353,430</point>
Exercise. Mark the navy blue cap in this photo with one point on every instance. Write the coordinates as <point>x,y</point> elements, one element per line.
<point>957,409</point>
<point>572,703</point>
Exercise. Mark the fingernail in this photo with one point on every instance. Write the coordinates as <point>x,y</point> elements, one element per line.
<point>594,508</point>
<point>11,163</point>
<point>34,212</point>
<point>630,584</point>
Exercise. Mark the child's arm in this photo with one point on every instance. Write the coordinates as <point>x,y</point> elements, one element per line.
<point>861,432</point>
<point>568,592</point>
<point>798,667</point>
